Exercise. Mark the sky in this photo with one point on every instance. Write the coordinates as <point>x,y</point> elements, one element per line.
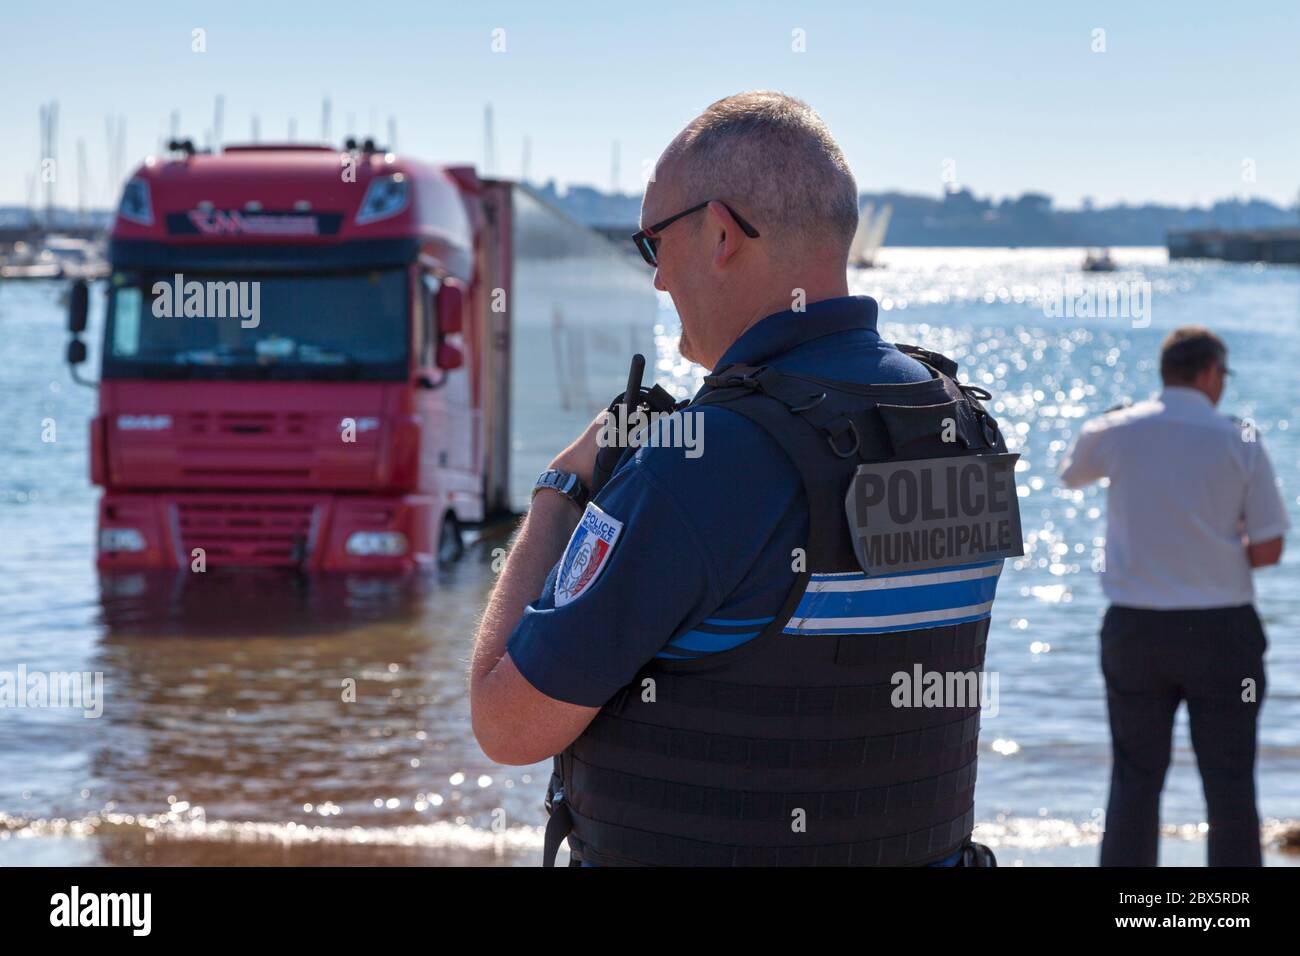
<point>1180,103</point>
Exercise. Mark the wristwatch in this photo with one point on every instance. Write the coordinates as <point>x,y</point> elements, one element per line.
<point>566,483</point>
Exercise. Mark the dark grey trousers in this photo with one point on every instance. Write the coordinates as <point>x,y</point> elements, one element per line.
<point>1153,660</point>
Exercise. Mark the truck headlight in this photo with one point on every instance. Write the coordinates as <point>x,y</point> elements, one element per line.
<point>388,544</point>
<point>385,196</point>
<point>120,539</point>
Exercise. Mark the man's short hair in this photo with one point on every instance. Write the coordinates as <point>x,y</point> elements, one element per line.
<point>774,158</point>
<point>1187,352</point>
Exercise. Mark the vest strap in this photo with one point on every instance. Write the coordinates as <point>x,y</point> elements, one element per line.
<point>800,396</point>
<point>936,360</point>
<point>559,824</point>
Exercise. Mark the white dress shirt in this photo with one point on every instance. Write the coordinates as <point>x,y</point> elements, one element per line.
<point>1186,484</point>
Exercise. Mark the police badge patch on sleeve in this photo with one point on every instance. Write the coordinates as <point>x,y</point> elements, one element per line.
<point>587,554</point>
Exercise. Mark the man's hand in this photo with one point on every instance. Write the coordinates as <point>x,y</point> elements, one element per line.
<point>1263,553</point>
<point>580,457</point>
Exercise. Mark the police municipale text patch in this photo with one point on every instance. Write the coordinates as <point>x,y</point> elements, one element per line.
<point>587,554</point>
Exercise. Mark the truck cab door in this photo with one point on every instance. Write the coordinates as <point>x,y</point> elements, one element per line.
<point>443,399</point>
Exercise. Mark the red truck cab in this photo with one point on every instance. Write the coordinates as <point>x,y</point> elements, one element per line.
<point>301,364</point>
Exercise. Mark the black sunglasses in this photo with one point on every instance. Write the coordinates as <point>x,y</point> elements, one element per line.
<point>648,244</point>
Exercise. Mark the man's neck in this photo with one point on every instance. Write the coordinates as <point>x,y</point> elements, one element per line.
<point>1189,391</point>
<point>787,301</point>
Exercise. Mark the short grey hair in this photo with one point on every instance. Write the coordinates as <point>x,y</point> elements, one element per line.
<point>773,157</point>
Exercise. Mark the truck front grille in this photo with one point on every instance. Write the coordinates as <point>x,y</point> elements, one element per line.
<point>246,533</point>
<point>278,425</point>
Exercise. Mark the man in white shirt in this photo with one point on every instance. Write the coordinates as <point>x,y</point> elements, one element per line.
<point>1193,508</point>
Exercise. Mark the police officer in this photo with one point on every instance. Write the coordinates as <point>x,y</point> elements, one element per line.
<point>711,664</point>
<point>1192,507</point>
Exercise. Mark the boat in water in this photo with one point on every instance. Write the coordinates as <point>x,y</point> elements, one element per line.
<point>55,257</point>
<point>1098,260</point>
<point>870,236</point>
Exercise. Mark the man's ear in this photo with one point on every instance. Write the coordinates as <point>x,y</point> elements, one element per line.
<point>723,225</point>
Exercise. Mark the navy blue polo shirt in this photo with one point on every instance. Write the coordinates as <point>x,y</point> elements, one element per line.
<point>695,552</point>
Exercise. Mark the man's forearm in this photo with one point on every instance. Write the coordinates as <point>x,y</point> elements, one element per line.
<point>540,542</point>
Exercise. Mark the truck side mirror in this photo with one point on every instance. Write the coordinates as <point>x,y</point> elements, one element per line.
<point>78,306</point>
<point>449,357</point>
<point>76,352</point>
<point>451,308</point>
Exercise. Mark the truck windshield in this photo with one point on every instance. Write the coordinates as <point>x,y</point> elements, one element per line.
<point>350,326</point>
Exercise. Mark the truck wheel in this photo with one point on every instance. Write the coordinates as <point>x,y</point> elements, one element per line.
<point>450,544</point>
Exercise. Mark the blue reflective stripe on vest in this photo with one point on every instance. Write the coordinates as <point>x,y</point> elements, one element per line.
<point>714,635</point>
<point>856,603</point>
<point>710,640</point>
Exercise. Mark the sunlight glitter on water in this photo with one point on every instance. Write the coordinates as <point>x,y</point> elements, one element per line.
<point>228,702</point>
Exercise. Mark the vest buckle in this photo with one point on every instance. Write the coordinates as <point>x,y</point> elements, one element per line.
<point>857,440</point>
<point>558,826</point>
<point>735,379</point>
<point>812,402</point>
<point>989,426</point>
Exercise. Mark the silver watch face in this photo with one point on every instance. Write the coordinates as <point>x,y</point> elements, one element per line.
<point>566,483</point>
<point>560,481</point>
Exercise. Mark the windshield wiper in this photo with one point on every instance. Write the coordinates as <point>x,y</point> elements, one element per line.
<point>319,355</point>
<point>222,355</point>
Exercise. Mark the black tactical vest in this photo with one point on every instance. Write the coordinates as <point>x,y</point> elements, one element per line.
<point>791,749</point>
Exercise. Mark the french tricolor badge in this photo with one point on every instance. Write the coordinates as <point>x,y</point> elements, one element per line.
<point>587,554</point>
